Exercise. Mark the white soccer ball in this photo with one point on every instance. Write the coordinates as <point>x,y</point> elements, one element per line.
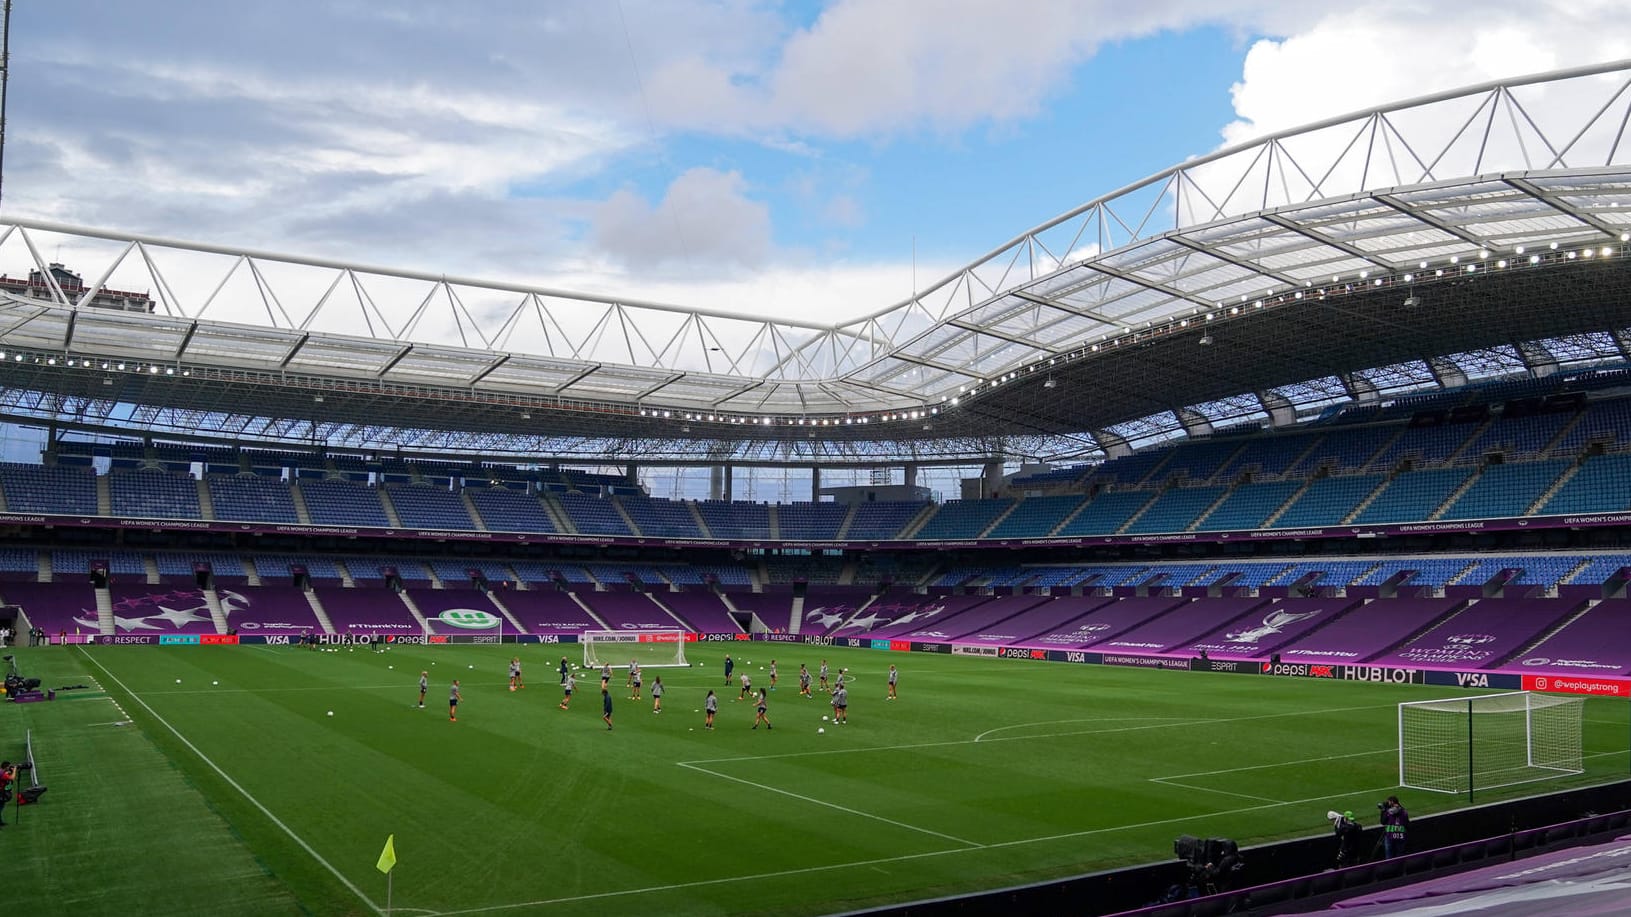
<point>821,729</point>
<point>331,713</point>
<point>178,681</point>
<point>214,682</point>
<point>823,719</point>
<point>472,667</point>
<point>390,667</point>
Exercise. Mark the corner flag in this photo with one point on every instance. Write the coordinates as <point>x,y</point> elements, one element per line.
<point>387,857</point>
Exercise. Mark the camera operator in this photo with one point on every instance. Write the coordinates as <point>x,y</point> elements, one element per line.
<point>1348,832</point>
<point>1395,825</point>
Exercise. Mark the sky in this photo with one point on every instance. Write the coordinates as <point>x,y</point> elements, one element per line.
<point>800,159</point>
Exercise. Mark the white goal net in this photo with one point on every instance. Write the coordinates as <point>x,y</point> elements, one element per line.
<point>647,647</point>
<point>1460,744</point>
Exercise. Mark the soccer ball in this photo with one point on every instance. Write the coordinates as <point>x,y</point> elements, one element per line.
<point>214,682</point>
<point>821,729</point>
<point>331,713</point>
<point>823,719</point>
<point>178,681</point>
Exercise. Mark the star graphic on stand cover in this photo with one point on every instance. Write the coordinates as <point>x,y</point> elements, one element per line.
<point>823,618</point>
<point>179,616</point>
<point>866,623</point>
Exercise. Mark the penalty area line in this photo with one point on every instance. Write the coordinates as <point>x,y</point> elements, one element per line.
<point>879,861</point>
<point>831,805</point>
<point>239,787</point>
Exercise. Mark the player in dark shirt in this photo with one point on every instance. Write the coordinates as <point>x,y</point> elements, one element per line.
<point>729,665</point>
<point>606,706</point>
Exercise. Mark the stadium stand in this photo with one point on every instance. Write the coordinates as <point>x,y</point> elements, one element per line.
<point>662,518</point>
<point>878,521</point>
<point>1413,495</point>
<point>1328,501</point>
<point>593,515</point>
<point>428,506</point>
<point>504,510</point>
<point>336,502</point>
<point>1602,483</point>
<point>962,519</point>
<point>45,489</point>
<point>1506,490</point>
<point>1037,517</point>
<point>1175,510</point>
<point>154,494</point>
<point>736,521</point>
<point>251,498</point>
<point>1249,505</point>
<point>1107,512</point>
<point>811,521</point>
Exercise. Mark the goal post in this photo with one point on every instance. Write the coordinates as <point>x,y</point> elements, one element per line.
<point>1458,744</point>
<point>650,648</point>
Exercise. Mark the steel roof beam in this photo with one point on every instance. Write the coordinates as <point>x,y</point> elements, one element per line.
<point>1534,191</point>
<point>1066,307</point>
<point>1433,221</point>
<point>390,364</point>
<point>294,349</point>
<point>1322,239</point>
<point>487,370</point>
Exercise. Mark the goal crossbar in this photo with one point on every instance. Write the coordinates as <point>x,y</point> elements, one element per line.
<point>1452,745</point>
<point>654,648</point>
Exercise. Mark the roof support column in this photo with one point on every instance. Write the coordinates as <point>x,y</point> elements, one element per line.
<point>1622,338</point>
<point>1360,389</point>
<point>1282,413</point>
<point>1194,423</point>
<point>815,483</point>
<point>1541,362</point>
<point>1114,446</point>
<point>1445,370</point>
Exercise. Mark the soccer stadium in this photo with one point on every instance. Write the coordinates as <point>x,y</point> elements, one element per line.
<point>1289,479</point>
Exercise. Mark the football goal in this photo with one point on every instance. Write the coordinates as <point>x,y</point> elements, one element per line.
<point>1492,740</point>
<point>648,647</point>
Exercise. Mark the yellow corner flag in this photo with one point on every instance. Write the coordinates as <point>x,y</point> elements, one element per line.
<point>387,857</point>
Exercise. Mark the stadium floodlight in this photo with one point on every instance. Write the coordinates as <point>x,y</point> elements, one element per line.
<point>651,648</point>
<point>1491,740</point>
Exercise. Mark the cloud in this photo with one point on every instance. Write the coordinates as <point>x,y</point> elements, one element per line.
<point>705,217</point>
<point>1394,50</point>
<point>883,68</point>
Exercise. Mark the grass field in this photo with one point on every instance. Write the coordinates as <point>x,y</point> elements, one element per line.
<point>246,797</point>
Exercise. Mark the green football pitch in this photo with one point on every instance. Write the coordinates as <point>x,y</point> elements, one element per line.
<point>213,780</point>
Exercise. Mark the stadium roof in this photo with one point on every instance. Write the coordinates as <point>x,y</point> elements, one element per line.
<point>1449,238</point>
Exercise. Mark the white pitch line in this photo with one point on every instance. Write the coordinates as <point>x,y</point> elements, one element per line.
<point>1259,767</point>
<point>1050,735</point>
<point>783,873</point>
<point>235,785</point>
<point>831,805</point>
<point>1087,719</point>
<point>1208,789</point>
